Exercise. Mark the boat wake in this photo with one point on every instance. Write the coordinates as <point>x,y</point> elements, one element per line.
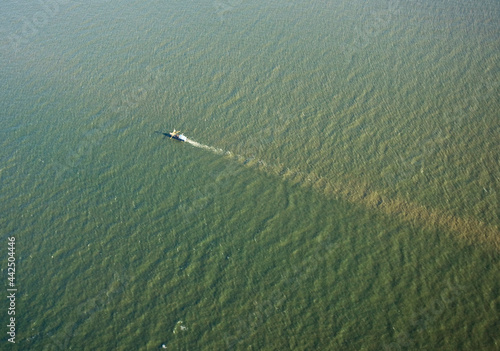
<point>206,147</point>
<point>468,229</point>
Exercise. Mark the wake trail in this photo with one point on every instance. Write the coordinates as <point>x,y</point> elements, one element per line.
<point>206,147</point>
<point>471,230</point>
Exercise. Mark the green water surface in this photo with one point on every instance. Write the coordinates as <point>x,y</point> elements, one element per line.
<point>345,196</point>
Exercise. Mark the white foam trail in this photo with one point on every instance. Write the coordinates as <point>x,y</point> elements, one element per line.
<point>211,148</point>
<point>413,213</point>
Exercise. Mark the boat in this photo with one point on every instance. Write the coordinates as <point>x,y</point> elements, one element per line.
<point>177,135</point>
